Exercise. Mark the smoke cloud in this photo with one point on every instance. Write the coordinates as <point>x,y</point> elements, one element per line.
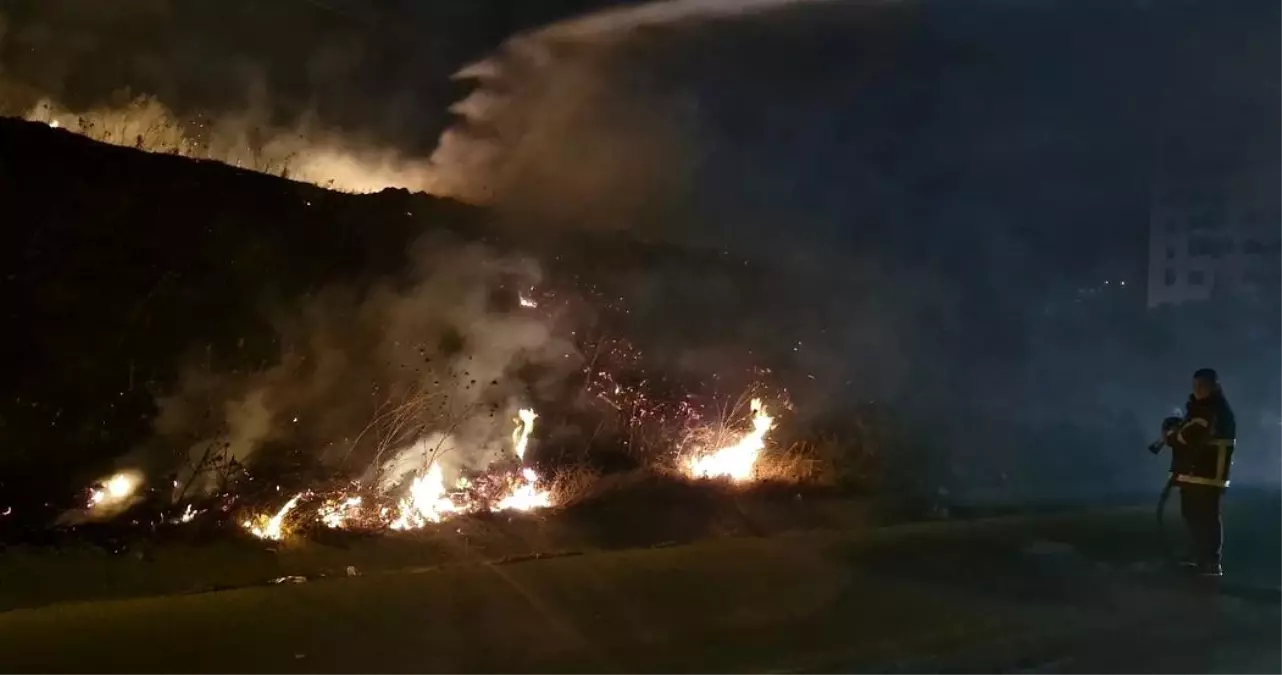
<point>649,119</point>
<point>375,382</point>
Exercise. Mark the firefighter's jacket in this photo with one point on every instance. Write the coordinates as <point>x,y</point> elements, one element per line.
<point>1202,445</point>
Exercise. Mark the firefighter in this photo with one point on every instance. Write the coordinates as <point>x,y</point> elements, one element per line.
<point>1202,454</point>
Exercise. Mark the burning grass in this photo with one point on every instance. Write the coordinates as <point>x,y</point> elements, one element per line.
<point>448,434</point>
<point>737,460</point>
<point>685,492</point>
<point>306,153</point>
<point>719,454</point>
<point>507,511</point>
<point>425,500</point>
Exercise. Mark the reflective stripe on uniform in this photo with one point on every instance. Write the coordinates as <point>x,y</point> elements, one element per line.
<point>1221,459</point>
<point>1198,480</point>
<point>1196,420</point>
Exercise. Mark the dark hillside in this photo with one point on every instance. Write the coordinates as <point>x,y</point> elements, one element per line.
<point>114,262</point>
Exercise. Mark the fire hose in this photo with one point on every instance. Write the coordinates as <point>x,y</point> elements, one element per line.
<point>1168,425</point>
<point>1161,524</point>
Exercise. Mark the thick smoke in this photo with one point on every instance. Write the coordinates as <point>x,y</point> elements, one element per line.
<point>373,383</point>
<point>562,134</point>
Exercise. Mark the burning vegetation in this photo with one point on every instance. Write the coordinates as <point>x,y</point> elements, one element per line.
<point>427,500</point>
<point>736,461</point>
<point>305,153</point>
<point>398,402</point>
<point>455,364</point>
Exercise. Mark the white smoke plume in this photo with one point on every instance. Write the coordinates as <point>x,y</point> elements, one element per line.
<point>562,139</point>
<point>605,23</point>
<point>374,383</point>
<point>556,127</point>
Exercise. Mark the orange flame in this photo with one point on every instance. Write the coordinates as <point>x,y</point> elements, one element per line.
<point>525,495</point>
<point>334,513</point>
<point>426,501</point>
<point>115,490</point>
<point>272,527</point>
<point>737,461</point>
<point>521,434</point>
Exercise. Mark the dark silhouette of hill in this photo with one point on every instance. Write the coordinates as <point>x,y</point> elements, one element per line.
<point>116,261</point>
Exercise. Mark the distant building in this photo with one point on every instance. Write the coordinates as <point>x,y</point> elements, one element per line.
<point>1210,237</point>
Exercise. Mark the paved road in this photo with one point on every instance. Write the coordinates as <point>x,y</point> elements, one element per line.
<point>1072,594</point>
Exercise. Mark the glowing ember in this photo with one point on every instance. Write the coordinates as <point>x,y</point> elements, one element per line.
<point>188,514</point>
<point>525,495</point>
<point>527,302</point>
<point>335,512</point>
<point>271,528</point>
<point>426,502</point>
<point>521,434</point>
<point>114,491</point>
<point>735,462</point>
